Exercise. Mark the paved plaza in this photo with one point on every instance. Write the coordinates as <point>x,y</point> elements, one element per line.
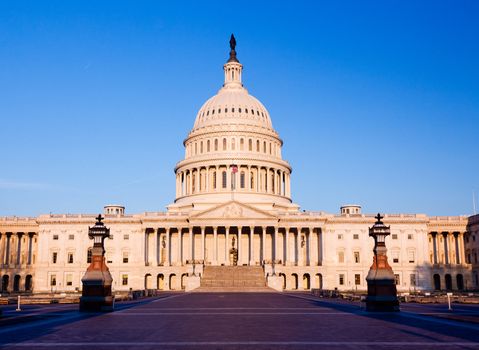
<point>240,321</point>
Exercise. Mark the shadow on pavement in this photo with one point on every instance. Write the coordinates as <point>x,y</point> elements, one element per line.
<point>429,323</point>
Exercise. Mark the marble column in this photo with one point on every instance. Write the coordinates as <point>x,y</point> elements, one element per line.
<point>227,250</point>
<point>263,246</point>
<point>286,250</point>
<point>240,249</point>
<point>19,248</point>
<point>203,241</point>
<point>168,247</point>
<point>458,252</point>
<point>215,245</point>
<point>180,251</point>
<point>146,247</point>
<point>300,247</point>
<point>157,245</point>
<point>251,245</point>
<point>30,247</point>
<point>308,248</point>
<point>191,252</point>
<point>275,244</point>
<point>434,246</point>
<point>446,252</point>
<point>7,248</point>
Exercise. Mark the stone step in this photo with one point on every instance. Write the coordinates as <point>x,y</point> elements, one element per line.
<point>233,279</point>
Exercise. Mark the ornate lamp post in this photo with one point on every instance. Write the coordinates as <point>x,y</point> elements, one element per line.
<point>96,293</point>
<point>382,294</point>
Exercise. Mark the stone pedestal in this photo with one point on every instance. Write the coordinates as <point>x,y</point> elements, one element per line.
<point>276,283</point>
<point>192,282</point>
<point>96,293</point>
<point>382,294</point>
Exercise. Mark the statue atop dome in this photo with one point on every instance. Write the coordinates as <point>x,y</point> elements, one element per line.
<point>233,51</point>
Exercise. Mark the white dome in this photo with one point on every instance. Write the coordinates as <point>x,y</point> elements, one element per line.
<point>233,106</point>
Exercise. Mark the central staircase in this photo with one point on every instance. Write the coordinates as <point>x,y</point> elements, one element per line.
<point>233,279</point>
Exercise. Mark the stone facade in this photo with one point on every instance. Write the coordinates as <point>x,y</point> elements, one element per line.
<point>233,185</point>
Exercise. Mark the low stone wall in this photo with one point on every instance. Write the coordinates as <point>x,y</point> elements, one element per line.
<point>431,298</point>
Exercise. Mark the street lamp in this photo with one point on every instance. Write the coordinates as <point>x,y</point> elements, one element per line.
<point>382,293</point>
<point>96,292</point>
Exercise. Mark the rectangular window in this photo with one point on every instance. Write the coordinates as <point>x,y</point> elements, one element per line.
<point>340,257</point>
<point>341,280</point>
<point>412,279</point>
<point>69,279</point>
<point>356,257</point>
<point>410,236</point>
<point>340,236</point>
<point>355,236</point>
<point>55,237</point>
<point>394,236</point>
<point>89,255</point>
<point>54,257</point>
<point>70,258</point>
<point>357,279</point>
<point>124,280</point>
<point>223,179</point>
<point>110,236</point>
<point>125,257</point>
<point>71,237</point>
<point>411,257</point>
<point>126,237</point>
<point>396,279</point>
<point>53,280</point>
<point>395,257</point>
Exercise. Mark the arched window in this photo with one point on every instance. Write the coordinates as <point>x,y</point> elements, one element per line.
<point>270,148</point>
<point>264,146</point>
<point>216,144</point>
<point>272,183</point>
<point>224,144</point>
<point>193,185</point>
<point>250,145</point>
<point>257,145</point>
<point>208,146</point>
<point>214,180</point>
<point>196,148</point>
<point>201,147</point>
<point>241,144</point>
<point>242,179</point>
<point>233,144</point>
<point>223,179</point>
<point>252,180</point>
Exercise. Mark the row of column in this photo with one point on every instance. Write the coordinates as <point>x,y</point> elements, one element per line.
<point>211,178</point>
<point>457,246</point>
<point>7,247</point>
<point>300,253</point>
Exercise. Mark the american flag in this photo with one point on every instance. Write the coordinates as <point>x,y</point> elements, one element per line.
<point>234,168</point>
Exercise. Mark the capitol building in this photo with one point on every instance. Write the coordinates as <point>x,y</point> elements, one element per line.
<point>234,209</point>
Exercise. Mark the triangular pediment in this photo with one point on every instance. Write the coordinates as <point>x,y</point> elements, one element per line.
<point>233,210</point>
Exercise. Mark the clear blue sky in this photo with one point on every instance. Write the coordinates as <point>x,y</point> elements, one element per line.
<point>377,102</point>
